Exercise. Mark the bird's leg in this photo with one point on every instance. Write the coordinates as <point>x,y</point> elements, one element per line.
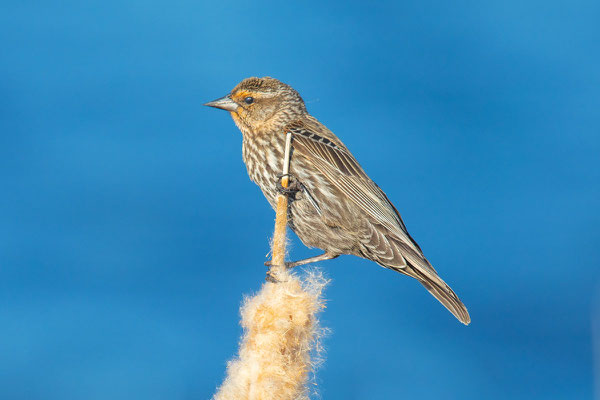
<point>323,257</point>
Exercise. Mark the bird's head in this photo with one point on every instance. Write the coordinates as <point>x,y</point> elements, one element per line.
<point>258,102</point>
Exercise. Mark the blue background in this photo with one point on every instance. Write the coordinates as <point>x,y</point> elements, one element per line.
<point>129,230</point>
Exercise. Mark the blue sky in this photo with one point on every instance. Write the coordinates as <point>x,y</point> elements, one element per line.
<point>129,230</point>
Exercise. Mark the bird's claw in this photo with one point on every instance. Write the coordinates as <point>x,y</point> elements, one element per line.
<point>286,264</point>
<point>271,277</point>
<point>292,188</point>
<point>275,275</point>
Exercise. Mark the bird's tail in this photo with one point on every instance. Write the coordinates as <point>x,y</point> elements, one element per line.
<point>437,287</point>
<point>399,255</point>
<point>443,293</point>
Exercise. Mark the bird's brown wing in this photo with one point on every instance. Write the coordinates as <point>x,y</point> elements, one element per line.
<point>396,248</point>
<point>338,165</point>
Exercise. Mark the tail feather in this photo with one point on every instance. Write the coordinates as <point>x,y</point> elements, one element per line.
<point>444,294</point>
<point>417,266</point>
<point>398,255</point>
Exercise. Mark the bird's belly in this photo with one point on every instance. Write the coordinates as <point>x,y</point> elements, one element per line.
<point>314,232</point>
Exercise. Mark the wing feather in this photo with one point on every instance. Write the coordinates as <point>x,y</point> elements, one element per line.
<point>336,163</point>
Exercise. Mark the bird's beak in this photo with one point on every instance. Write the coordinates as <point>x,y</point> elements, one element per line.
<point>224,103</point>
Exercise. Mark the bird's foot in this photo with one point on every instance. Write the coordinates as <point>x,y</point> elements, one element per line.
<point>292,188</point>
<point>276,274</point>
<point>271,277</point>
<point>285,264</point>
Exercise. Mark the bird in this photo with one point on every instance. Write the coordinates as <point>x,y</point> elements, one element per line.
<point>333,204</point>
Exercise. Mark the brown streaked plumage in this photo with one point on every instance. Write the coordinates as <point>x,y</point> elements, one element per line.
<point>337,207</point>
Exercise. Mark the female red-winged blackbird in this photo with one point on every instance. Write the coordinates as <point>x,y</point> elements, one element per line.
<point>335,206</point>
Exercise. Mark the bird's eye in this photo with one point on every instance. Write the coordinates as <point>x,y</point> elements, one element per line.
<point>249,100</point>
